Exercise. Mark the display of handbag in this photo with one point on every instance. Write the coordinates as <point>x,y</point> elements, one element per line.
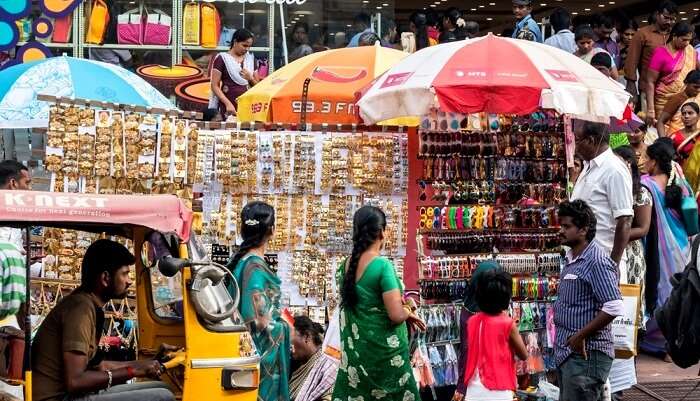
<point>130,27</point>
<point>191,24</point>
<point>210,25</point>
<point>61,30</point>
<point>156,28</point>
<point>97,26</point>
<point>24,28</point>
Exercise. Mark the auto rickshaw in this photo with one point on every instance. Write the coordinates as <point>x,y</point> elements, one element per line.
<point>217,360</point>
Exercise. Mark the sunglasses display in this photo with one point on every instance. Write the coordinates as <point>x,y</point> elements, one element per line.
<point>489,189</point>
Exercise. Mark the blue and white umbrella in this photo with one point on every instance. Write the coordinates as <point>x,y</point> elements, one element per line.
<point>68,77</point>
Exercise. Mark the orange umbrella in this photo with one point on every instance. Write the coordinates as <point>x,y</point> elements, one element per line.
<point>335,76</point>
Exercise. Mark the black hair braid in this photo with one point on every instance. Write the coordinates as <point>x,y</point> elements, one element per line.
<point>245,247</point>
<point>662,152</point>
<point>362,240</point>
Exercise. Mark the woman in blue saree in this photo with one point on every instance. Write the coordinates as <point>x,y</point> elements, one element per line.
<point>667,244</point>
<point>260,301</point>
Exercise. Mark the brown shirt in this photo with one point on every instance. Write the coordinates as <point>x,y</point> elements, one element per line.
<point>71,326</point>
<point>643,44</point>
<point>674,103</point>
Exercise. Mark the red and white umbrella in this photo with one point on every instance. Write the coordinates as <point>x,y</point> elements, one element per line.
<point>496,75</point>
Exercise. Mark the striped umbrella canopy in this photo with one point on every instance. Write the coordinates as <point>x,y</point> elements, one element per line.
<point>68,77</point>
<point>496,75</point>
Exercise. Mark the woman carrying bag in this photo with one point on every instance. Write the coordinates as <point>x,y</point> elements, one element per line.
<point>232,74</point>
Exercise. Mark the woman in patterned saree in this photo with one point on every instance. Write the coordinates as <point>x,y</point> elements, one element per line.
<point>375,363</point>
<point>667,245</point>
<point>668,68</point>
<point>260,301</point>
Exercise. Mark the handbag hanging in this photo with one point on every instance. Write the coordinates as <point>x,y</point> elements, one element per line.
<point>99,19</point>
<point>156,28</point>
<point>191,24</point>
<point>62,29</point>
<point>130,28</point>
<point>210,25</point>
<point>689,210</point>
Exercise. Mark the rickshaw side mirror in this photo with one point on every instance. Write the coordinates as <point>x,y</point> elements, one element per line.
<point>169,266</point>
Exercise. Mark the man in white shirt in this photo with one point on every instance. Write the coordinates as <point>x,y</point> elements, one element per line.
<point>605,184</point>
<point>564,38</point>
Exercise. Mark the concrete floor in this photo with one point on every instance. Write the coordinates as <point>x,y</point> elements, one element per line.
<point>651,369</point>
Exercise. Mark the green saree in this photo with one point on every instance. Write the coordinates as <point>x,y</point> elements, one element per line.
<point>375,363</point>
<point>260,307</point>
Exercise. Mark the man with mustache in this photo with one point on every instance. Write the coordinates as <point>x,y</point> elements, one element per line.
<point>643,44</point>
<point>67,362</point>
<point>588,301</point>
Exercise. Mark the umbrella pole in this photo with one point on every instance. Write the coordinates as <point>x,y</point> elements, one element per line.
<point>27,313</point>
<point>284,36</point>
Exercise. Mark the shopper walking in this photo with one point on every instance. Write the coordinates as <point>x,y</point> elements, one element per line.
<point>684,139</point>
<point>232,74</point>
<point>603,27</point>
<point>260,301</point>
<point>586,50</point>
<point>418,37</point>
<point>494,340</point>
<point>636,263</point>
<point>668,248</point>
<point>588,301</point>
<point>525,26</point>
<point>563,38</point>
<point>375,363</point>
<point>643,44</point>
<point>670,119</point>
<point>637,141</point>
<point>452,22</point>
<point>606,186</point>
<point>627,31</point>
<point>471,307</point>
<point>668,67</point>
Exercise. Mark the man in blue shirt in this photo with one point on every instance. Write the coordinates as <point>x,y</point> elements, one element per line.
<point>525,26</point>
<point>362,24</point>
<point>588,301</point>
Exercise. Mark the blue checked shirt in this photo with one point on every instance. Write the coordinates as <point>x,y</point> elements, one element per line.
<point>587,283</point>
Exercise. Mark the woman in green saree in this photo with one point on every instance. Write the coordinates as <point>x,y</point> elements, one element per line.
<point>260,301</point>
<point>375,363</point>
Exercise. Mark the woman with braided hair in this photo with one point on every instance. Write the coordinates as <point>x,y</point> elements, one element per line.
<point>374,362</point>
<point>667,245</point>
<point>260,301</point>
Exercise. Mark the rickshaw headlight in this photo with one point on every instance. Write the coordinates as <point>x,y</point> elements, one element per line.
<point>240,378</point>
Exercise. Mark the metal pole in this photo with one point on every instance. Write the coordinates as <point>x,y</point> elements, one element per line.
<point>284,36</point>
<point>27,310</point>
